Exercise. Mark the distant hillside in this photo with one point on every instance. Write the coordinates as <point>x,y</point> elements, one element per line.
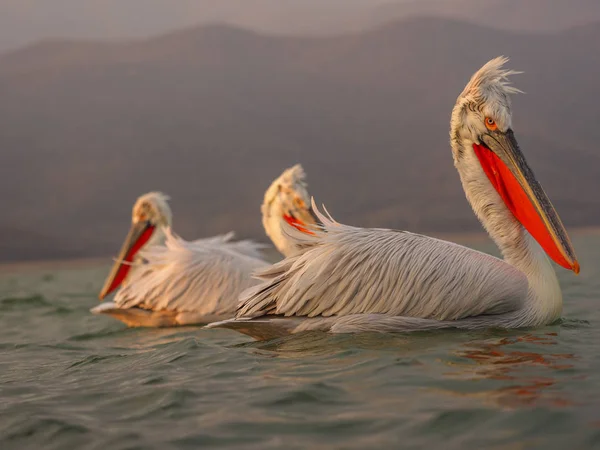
<point>510,15</point>
<point>23,22</point>
<point>211,115</point>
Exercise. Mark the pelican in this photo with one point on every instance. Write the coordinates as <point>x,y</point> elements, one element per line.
<point>352,279</point>
<point>287,198</point>
<point>167,281</point>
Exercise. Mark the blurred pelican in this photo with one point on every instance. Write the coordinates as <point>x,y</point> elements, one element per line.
<point>166,281</point>
<point>287,198</point>
<point>354,279</point>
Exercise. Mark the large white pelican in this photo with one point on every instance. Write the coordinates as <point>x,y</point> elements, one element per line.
<point>354,279</point>
<point>166,281</point>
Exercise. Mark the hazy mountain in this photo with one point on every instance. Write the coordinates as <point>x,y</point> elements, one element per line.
<point>512,15</point>
<point>211,115</point>
<point>22,22</point>
<point>26,21</point>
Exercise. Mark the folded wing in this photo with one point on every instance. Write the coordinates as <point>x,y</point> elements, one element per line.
<point>204,276</point>
<point>245,247</point>
<point>346,270</point>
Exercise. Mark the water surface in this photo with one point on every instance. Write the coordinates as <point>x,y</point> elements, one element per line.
<point>69,379</point>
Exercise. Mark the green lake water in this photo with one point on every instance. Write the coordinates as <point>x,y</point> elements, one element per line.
<point>72,380</point>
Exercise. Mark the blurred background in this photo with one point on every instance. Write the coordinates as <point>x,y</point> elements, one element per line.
<point>209,100</point>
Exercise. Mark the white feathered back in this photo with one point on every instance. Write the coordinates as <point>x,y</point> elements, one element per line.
<point>347,270</point>
<point>204,276</point>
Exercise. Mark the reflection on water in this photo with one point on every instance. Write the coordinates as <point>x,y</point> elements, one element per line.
<point>530,374</point>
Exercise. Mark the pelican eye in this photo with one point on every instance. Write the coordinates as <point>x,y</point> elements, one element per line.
<point>490,124</point>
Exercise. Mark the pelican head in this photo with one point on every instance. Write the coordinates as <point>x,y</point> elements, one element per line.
<point>151,213</point>
<point>287,198</point>
<point>484,106</point>
<point>153,208</point>
<point>487,155</point>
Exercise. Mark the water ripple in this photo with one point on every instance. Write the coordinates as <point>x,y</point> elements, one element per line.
<point>69,379</point>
